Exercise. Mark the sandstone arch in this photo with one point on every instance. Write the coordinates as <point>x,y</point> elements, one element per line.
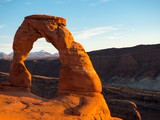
<point>79,87</point>
<point>76,73</point>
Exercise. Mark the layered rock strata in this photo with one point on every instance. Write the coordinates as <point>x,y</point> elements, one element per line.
<point>79,85</point>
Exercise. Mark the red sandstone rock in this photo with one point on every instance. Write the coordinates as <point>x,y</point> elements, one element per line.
<point>79,85</point>
<point>26,106</point>
<point>76,65</point>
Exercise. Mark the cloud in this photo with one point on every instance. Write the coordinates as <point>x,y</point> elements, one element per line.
<point>85,34</point>
<point>2,26</point>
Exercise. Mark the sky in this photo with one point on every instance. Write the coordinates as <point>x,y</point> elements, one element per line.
<point>96,24</point>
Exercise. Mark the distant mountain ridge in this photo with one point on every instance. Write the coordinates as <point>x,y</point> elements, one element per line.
<point>32,55</point>
<point>135,67</point>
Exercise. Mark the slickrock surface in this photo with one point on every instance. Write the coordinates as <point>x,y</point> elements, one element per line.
<point>79,87</point>
<point>26,106</point>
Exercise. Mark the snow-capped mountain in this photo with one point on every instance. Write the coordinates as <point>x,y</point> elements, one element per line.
<point>2,55</point>
<point>10,56</point>
<point>56,55</point>
<point>39,55</point>
<point>32,55</point>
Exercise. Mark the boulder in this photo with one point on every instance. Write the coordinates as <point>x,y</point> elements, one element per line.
<point>124,109</point>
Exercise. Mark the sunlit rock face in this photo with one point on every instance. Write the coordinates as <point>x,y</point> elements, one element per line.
<point>77,72</point>
<point>79,88</point>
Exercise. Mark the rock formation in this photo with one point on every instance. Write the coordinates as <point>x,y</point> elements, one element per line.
<point>79,87</point>
<point>124,109</point>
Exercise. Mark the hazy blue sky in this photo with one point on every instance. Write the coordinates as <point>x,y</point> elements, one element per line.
<point>96,24</point>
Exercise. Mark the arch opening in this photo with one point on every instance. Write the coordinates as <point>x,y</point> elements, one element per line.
<point>42,62</point>
<point>43,50</point>
<point>44,67</point>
